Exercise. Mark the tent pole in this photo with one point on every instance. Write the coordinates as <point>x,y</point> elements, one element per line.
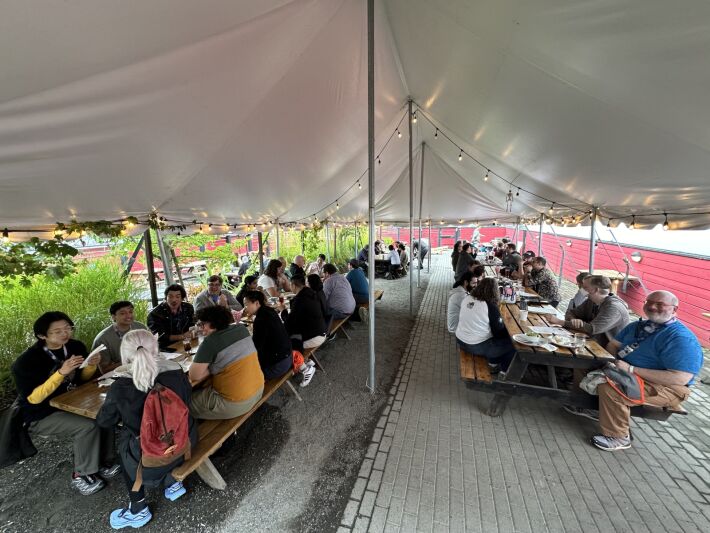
<point>177,266</point>
<point>335,241</point>
<point>167,266</point>
<point>525,235</point>
<point>327,240</point>
<point>539,240</point>
<point>411,205</point>
<point>517,228</point>
<point>135,253</point>
<point>355,256</point>
<point>151,267</point>
<point>592,240</point>
<point>371,181</point>
<point>421,199</point>
<point>261,252</point>
<point>303,243</point>
<point>428,263</point>
<point>278,240</point>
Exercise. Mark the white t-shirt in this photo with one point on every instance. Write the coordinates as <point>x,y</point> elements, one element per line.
<point>266,282</point>
<point>474,325</point>
<point>394,258</point>
<point>453,308</point>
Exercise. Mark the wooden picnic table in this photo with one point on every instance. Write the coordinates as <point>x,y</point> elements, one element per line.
<point>87,399</point>
<point>590,357</point>
<point>615,276</point>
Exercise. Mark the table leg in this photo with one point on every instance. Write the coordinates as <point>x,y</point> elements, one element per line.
<point>515,373</point>
<point>551,376</point>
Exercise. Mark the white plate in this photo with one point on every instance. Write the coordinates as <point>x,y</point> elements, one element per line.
<point>561,340</point>
<point>528,341</point>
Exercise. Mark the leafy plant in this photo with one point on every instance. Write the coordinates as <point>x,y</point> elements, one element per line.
<point>85,296</point>
<point>23,260</point>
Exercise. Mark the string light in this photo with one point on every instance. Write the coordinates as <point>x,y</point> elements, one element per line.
<point>633,222</point>
<point>5,236</point>
<point>337,205</point>
<point>436,133</point>
<point>379,162</point>
<point>399,133</point>
<point>608,224</point>
<point>460,155</point>
<point>665,222</point>
<point>460,220</point>
<point>485,178</point>
<point>414,117</point>
<point>359,185</point>
<point>518,193</point>
<point>552,208</point>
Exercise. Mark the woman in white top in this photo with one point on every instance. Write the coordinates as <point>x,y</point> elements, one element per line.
<point>456,296</point>
<point>480,330</point>
<point>268,281</point>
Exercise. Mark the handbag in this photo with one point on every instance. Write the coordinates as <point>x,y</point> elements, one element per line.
<point>15,442</point>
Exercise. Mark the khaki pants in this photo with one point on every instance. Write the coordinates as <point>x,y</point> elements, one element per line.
<point>208,404</point>
<point>93,446</point>
<point>614,410</point>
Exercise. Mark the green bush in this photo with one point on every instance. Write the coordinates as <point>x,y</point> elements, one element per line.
<point>85,296</point>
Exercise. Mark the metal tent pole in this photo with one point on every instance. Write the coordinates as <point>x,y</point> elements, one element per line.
<point>177,266</point>
<point>421,200</point>
<point>411,205</point>
<point>355,256</point>
<point>428,262</point>
<point>592,240</point>
<point>371,181</point>
<point>151,267</point>
<point>539,240</point>
<point>261,252</point>
<point>134,255</point>
<point>165,256</point>
<point>335,241</point>
<point>278,240</point>
<point>327,240</point>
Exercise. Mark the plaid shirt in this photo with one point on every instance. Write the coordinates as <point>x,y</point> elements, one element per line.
<point>544,283</point>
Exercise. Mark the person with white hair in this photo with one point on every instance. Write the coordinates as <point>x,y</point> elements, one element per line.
<point>297,267</point>
<point>660,350</point>
<point>142,368</point>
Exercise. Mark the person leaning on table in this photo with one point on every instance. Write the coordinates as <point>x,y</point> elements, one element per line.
<point>663,352</point>
<point>142,369</point>
<point>47,369</point>
<point>228,355</point>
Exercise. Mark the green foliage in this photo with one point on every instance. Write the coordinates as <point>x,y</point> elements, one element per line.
<point>85,296</point>
<point>22,260</point>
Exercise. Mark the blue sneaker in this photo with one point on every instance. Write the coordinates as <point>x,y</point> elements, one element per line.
<point>174,491</point>
<point>121,518</point>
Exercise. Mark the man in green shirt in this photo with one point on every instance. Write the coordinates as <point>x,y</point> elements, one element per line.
<point>122,316</point>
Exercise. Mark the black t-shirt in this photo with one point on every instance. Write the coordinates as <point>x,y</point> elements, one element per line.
<point>34,367</point>
<point>270,337</point>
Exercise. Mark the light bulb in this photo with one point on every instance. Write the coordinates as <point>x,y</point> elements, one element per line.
<point>665,222</point>
<point>5,236</point>
<point>460,155</point>
<point>379,161</point>
<point>399,133</point>
<point>337,205</point>
<point>414,117</point>
<point>436,133</point>
<point>518,193</point>
<point>633,222</point>
<point>485,178</point>
<point>552,208</point>
<point>359,185</point>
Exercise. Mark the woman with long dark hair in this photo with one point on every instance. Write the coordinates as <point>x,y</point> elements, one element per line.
<point>455,254</point>
<point>269,280</point>
<point>480,330</point>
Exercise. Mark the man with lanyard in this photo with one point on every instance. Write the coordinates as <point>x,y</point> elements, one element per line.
<point>173,318</point>
<point>214,294</point>
<point>122,316</point>
<point>663,352</point>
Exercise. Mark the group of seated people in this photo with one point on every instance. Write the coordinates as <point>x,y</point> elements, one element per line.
<point>397,256</point>
<point>661,350</point>
<point>238,364</point>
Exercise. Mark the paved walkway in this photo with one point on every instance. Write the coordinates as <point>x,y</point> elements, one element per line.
<point>436,462</point>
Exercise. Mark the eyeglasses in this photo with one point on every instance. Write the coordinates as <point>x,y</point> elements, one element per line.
<point>59,331</point>
<point>654,303</point>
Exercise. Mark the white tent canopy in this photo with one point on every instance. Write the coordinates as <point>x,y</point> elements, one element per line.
<point>243,111</point>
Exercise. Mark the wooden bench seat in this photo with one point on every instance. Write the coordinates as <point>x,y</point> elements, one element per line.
<point>474,368</point>
<point>378,297</point>
<point>213,433</point>
<point>337,326</point>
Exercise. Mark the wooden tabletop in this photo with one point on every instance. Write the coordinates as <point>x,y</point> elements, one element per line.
<point>592,351</point>
<point>87,399</point>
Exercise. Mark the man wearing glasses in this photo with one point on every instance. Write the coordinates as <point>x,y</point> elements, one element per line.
<point>660,350</point>
<point>216,295</point>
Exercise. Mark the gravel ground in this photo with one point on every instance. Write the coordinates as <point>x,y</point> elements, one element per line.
<point>290,468</point>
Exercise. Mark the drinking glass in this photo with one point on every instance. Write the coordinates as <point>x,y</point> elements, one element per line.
<point>187,345</point>
<point>578,341</point>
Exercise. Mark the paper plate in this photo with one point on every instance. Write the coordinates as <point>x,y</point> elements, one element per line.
<point>528,341</point>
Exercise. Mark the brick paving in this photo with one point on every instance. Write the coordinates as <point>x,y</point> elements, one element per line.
<point>436,462</point>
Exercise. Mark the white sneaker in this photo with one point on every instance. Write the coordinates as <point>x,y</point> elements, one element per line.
<point>311,363</point>
<point>308,374</point>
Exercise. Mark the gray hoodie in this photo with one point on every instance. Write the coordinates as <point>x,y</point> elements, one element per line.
<point>602,322</point>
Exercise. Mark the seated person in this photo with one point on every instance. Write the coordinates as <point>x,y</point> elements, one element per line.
<point>663,352</point>
<point>228,355</point>
<point>269,280</point>
<point>478,272</point>
<point>122,316</point>
<point>602,316</point>
<point>316,285</point>
<point>270,337</point>
<point>363,256</point>
<point>512,264</point>
<point>297,267</point>
<point>244,266</point>
<point>316,267</point>
<point>47,369</point>
<point>480,330</point>
<point>250,284</point>
<point>173,318</point>
<point>455,254</point>
<point>338,293</point>
<point>581,294</point>
<point>305,322</point>
<point>543,281</point>
<point>379,248</point>
<point>528,255</point>
<point>361,291</point>
<point>464,261</point>
<point>284,284</point>
<point>123,409</point>
<point>456,296</point>
<point>214,294</point>
<point>395,263</point>
<point>403,257</point>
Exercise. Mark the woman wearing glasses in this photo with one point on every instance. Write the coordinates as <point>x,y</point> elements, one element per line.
<point>480,330</point>
<point>50,367</point>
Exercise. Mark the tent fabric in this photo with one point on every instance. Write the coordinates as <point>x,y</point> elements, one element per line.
<point>243,112</point>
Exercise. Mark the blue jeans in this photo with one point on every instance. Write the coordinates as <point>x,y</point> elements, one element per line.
<point>498,351</point>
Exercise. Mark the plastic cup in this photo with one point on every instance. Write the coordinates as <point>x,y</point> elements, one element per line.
<point>523,314</point>
<point>579,341</point>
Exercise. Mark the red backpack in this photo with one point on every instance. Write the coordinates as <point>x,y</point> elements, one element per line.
<point>165,430</point>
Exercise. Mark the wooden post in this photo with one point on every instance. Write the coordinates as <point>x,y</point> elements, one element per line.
<point>261,253</point>
<point>151,267</point>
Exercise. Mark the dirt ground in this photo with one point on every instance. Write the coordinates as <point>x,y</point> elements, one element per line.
<point>290,468</point>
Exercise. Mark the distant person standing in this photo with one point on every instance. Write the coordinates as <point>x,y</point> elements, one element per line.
<point>420,250</point>
<point>455,254</point>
